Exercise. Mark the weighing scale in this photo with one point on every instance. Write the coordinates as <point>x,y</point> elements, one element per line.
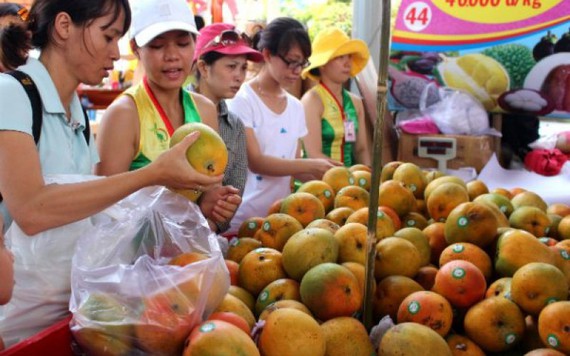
<point>441,149</point>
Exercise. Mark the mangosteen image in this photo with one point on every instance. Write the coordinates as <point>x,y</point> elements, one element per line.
<point>525,101</point>
<point>545,47</point>
<point>551,77</point>
<point>425,64</point>
<point>563,44</point>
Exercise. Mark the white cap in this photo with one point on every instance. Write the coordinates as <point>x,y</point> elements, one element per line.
<point>150,18</point>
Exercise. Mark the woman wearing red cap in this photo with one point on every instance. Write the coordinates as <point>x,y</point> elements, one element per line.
<point>136,128</point>
<point>221,63</point>
<point>335,117</point>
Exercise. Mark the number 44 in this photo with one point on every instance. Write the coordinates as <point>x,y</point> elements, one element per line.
<point>420,15</point>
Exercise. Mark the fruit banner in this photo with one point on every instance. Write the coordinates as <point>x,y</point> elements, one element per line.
<point>511,55</point>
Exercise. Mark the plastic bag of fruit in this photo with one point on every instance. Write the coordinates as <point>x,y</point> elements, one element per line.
<point>148,271</point>
<point>457,113</point>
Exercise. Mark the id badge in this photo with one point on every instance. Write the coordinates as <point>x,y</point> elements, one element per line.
<point>349,131</point>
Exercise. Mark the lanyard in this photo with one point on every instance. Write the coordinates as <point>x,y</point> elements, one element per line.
<point>158,107</point>
<point>340,108</point>
<point>343,117</point>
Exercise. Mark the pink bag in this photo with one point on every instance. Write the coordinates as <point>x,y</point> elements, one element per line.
<point>421,125</point>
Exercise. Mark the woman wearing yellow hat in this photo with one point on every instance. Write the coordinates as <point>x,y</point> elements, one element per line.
<point>335,117</point>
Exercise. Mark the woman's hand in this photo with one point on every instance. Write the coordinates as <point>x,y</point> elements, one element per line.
<point>316,167</point>
<point>226,208</point>
<point>220,203</point>
<point>172,169</point>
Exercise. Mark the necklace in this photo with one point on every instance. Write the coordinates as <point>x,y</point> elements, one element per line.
<point>275,102</point>
<point>278,96</point>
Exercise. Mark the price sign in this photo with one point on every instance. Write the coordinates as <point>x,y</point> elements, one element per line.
<point>441,149</point>
<point>513,56</point>
<point>495,11</point>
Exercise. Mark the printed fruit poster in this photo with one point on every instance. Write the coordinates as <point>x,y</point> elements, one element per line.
<point>511,55</point>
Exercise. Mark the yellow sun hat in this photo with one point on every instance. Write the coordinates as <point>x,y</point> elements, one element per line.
<point>331,43</point>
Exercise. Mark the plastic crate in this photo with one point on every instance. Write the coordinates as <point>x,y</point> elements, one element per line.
<point>53,341</point>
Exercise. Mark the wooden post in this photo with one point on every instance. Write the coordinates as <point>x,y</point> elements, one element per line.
<point>376,162</point>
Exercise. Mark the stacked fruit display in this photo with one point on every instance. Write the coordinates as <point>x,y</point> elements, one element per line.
<point>460,269</point>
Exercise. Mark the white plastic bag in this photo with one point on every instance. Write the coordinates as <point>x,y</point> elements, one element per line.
<point>125,297</point>
<point>457,113</point>
<point>42,270</point>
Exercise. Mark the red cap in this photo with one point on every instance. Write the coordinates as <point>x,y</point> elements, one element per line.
<point>205,43</point>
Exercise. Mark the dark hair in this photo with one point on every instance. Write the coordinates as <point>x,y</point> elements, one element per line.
<point>209,58</point>
<point>9,9</point>
<point>316,72</point>
<point>255,39</point>
<point>42,16</point>
<point>10,54</point>
<point>281,34</point>
<point>14,45</point>
<point>199,20</point>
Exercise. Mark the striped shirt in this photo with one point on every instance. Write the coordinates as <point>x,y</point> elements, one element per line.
<point>232,131</point>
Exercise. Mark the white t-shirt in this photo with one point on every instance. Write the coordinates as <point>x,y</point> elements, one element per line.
<point>278,135</point>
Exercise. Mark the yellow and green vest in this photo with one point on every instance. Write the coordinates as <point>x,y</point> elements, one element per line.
<point>155,129</point>
<point>332,123</point>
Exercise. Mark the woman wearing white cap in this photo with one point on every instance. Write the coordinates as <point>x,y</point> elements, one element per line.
<point>136,128</point>
<point>335,117</point>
